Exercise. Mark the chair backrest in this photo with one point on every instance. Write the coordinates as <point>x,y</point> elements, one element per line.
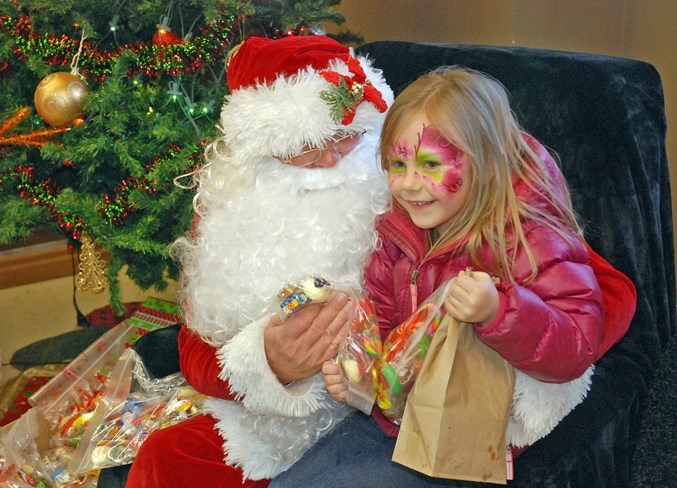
<point>604,119</point>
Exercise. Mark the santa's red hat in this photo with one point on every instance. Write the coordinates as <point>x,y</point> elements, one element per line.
<point>296,91</point>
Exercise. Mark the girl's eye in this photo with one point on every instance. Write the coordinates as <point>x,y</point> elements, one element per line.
<point>431,165</point>
<point>396,165</point>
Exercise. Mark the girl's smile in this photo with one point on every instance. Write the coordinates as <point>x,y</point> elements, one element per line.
<point>427,175</point>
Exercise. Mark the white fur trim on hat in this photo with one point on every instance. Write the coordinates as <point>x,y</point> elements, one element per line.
<point>278,119</point>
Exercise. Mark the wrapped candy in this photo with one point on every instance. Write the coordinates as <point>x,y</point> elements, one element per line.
<point>359,355</point>
<point>404,350</point>
<point>49,437</point>
<point>28,460</point>
<point>122,432</point>
<point>297,294</point>
<point>117,440</point>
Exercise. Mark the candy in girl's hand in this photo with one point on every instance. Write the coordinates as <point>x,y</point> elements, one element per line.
<point>389,373</point>
<point>359,354</point>
<point>352,370</point>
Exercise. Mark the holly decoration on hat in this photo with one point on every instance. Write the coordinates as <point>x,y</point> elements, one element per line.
<point>349,91</point>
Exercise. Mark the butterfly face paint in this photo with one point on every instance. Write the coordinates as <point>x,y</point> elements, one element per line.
<point>427,174</point>
<point>435,160</point>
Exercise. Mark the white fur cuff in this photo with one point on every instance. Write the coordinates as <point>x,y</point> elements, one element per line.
<point>537,407</point>
<point>245,367</point>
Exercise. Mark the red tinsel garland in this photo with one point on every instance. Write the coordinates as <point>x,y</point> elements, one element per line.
<point>113,209</point>
<point>206,47</point>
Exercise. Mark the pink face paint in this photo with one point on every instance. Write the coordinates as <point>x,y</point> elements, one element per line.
<point>401,149</point>
<point>437,161</point>
<point>442,162</point>
<point>433,141</point>
<point>452,182</point>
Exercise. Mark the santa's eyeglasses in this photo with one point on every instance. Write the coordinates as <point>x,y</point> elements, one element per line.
<point>342,144</point>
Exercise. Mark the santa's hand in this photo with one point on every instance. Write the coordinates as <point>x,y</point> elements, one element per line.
<point>472,297</point>
<point>333,380</point>
<point>297,347</point>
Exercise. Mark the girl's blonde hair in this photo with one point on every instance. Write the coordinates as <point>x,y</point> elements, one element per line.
<point>471,110</point>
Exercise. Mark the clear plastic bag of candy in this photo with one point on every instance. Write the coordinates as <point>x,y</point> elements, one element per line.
<point>27,458</point>
<point>20,445</point>
<point>404,350</point>
<point>117,439</point>
<point>69,400</point>
<point>127,415</point>
<point>359,354</point>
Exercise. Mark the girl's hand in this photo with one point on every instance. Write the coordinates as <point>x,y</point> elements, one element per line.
<point>333,380</point>
<point>472,297</point>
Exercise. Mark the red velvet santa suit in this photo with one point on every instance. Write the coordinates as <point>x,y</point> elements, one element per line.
<point>262,224</point>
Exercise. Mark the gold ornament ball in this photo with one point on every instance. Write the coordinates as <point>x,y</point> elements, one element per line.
<point>60,98</point>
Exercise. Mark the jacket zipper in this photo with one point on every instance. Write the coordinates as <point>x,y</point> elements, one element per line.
<point>413,290</point>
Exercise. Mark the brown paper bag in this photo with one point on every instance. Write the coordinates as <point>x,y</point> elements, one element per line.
<point>455,419</point>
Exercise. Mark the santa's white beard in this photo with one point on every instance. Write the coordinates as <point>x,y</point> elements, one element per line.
<point>295,222</point>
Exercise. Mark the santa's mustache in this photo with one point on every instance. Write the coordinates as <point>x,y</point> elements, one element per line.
<point>355,167</point>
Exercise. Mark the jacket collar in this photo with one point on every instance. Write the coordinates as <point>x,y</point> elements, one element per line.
<point>397,226</point>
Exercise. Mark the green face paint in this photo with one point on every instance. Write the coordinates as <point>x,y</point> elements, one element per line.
<point>437,161</point>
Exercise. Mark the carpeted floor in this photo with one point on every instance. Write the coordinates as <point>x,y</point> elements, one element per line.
<point>16,391</point>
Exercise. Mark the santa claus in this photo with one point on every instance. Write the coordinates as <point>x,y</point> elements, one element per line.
<point>290,189</point>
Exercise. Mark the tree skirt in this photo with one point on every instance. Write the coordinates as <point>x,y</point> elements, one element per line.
<point>16,391</point>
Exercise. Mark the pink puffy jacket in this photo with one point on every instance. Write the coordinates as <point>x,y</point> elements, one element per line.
<point>550,328</point>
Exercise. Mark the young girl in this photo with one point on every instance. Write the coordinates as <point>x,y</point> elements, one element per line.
<point>472,191</point>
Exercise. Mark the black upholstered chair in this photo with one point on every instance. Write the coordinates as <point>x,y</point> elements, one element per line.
<point>604,117</point>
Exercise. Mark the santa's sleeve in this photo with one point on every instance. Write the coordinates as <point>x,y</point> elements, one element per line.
<point>245,368</point>
<point>200,366</point>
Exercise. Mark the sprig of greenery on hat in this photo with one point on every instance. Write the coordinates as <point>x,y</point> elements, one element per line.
<point>349,91</point>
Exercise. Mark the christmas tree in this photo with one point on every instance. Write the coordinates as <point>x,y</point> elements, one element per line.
<point>104,104</point>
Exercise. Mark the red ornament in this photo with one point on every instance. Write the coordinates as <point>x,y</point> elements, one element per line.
<point>164,36</point>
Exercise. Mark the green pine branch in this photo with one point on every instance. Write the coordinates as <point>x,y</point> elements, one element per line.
<point>112,177</point>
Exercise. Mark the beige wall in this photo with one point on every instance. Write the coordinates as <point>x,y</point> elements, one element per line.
<point>638,29</point>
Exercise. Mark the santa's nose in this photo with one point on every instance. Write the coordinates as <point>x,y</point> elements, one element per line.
<point>330,157</point>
